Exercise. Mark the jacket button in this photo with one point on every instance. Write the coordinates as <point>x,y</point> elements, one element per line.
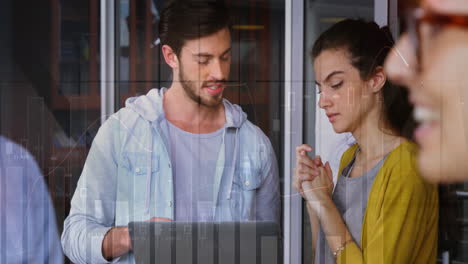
<point>247,183</point>
<point>169,204</point>
<point>137,170</point>
<point>169,165</point>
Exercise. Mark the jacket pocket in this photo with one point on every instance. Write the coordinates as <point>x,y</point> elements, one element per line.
<point>137,162</point>
<point>243,194</point>
<point>134,185</point>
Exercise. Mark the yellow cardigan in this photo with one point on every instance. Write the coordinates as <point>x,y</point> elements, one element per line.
<point>401,218</point>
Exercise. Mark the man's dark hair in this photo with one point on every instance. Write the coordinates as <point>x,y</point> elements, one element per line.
<point>368,45</point>
<point>183,20</point>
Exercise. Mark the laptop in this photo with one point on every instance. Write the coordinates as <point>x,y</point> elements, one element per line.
<point>206,242</point>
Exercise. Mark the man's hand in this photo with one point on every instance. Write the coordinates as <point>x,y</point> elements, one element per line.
<point>117,241</point>
<point>159,219</point>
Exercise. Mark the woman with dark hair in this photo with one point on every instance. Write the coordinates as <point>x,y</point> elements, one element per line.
<point>380,210</point>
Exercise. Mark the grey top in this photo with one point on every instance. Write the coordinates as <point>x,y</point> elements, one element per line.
<point>350,197</point>
<point>194,158</point>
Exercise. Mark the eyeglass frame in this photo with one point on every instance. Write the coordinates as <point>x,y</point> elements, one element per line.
<point>416,16</point>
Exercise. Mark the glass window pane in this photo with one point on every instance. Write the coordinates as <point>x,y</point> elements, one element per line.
<point>50,88</point>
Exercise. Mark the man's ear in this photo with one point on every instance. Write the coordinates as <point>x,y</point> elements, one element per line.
<point>378,79</point>
<point>170,57</point>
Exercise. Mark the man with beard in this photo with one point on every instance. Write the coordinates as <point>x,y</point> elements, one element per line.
<point>177,154</point>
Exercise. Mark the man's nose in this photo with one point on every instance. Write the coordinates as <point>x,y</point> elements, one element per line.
<point>216,70</point>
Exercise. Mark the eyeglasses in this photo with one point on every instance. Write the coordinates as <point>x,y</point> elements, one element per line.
<point>416,16</point>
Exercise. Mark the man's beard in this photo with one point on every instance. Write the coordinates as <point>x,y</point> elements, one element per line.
<point>190,88</point>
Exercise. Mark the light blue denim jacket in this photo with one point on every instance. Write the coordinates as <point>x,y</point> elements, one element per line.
<point>128,177</point>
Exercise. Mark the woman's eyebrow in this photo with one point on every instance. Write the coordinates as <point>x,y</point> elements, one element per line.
<point>329,76</point>
<point>332,74</point>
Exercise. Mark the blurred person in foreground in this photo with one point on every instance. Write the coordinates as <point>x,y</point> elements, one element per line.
<point>431,59</point>
<point>28,230</point>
